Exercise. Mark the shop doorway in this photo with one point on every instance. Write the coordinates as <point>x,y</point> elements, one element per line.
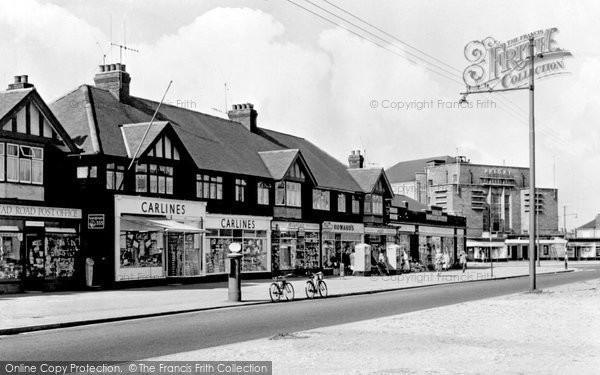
<point>35,256</point>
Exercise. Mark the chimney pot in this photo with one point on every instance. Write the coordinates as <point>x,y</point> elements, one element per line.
<point>123,67</point>
<point>113,67</point>
<point>244,114</point>
<point>24,78</point>
<point>102,67</point>
<point>17,79</point>
<point>118,66</point>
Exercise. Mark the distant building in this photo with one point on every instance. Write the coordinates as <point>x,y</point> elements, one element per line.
<point>586,244</point>
<point>494,199</point>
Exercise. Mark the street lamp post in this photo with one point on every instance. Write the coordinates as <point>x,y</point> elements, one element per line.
<point>532,208</point>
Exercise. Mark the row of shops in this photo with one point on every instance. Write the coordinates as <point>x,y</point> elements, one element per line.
<point>518,249</point>
<point>157,238</point>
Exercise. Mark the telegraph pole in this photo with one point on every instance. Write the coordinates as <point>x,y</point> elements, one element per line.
<point>532,204</point>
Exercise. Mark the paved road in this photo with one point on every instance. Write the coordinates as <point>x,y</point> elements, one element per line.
<point>146,338</point>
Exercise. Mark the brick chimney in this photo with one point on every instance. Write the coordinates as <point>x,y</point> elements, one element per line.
<point>356,160</point>
<point>21,82</point>
<point>244,114</point>
<point>114,78</point>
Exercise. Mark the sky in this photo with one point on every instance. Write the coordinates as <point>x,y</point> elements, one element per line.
<point>314,79</point>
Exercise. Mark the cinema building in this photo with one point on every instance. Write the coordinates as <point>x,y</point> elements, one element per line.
<point>39,224</point>
<point>493,198</point>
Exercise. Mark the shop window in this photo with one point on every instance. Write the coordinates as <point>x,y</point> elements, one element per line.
<point>288,194</point>
<point>153,178</point>
<point>114,176</point>
<point>321,200</point>
<point>254,250</point>
<point>10,256</point>
<point>184,257</point>
<point>87,171</point>
<point>341,204</point>
<point>141,249</point>
<point>24,164</point>
<point>209,187</point>
<point>262,191</point>
<point>355,205</point>
<point>240,190</point>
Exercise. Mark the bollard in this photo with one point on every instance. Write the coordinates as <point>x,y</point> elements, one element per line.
<point>235,277</point>
<point>89,272</point>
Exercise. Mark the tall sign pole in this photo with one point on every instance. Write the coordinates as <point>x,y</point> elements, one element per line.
<point>532,197</point>
<point>497,67</point>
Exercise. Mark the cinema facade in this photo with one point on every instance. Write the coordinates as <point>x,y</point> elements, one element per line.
<point>89,180</point>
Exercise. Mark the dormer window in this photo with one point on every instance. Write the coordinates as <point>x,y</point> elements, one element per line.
<point>288,193</point>
<point>154,178</point>
<point>373,204</point>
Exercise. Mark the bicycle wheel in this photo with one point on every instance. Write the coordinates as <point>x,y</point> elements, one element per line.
<point>288,290</point>
<point>274,292</point>
<point>310,289</point>
<point>322,288</point>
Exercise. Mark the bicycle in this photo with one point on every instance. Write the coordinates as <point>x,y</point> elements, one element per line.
<point>281,287</point>
<point>315,283</point>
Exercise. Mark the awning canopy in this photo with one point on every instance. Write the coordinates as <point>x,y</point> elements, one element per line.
<point>471,243</point>
<point>137,223</point>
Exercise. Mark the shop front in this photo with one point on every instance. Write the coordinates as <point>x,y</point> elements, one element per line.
<point>157,238</point>
<point>379,238</point>
<point>338,242</point>
<point>39,248</point>
<point>433,240</point>
<point>404,238</point>
<point>482,250</point>
<point>295,246</point>
<point>252,232</point>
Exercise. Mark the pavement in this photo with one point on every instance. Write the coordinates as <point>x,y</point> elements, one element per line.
<point>32,312</point>
<point>553,331</point>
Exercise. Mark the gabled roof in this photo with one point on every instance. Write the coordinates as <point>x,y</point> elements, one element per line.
<point>278,162</point>
<point>367,178</point>
<point>413,205</point>
<point>133,135</point>
<point>404,171</point>
<point>329,173</point>
<point>590,225</point>
<point>12,100</point>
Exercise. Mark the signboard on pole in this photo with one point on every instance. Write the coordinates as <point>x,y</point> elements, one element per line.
<point>505,65</point>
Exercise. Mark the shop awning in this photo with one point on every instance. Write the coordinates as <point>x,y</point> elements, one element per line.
<point>175,226</point>
<point>471,243</point>
<point>137,223</point>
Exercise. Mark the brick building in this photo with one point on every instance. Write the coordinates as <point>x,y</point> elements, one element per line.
<point>494,199</point>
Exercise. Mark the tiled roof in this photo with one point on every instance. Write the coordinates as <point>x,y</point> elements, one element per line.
<point>214,143</point>
<point>413,205</point>
<point>590,225</point>
<point>278,162</point>
<point>404,171</point>
<point>328,171</point>
<point>9,99</point>
<point>366,177</point>
<point>133,134</point>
